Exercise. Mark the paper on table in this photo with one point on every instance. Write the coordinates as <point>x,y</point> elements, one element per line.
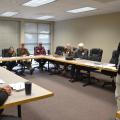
<point>1,81</point>
<point>109,65</point>
<point>18,86</point>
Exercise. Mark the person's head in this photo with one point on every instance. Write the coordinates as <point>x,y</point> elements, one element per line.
<point>22,45</point>
<point>68,46</point>
<point>81,46</point>
<point>40,45</point>
<point>11,49</point>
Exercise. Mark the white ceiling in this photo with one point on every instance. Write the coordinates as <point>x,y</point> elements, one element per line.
<point>59,8</point>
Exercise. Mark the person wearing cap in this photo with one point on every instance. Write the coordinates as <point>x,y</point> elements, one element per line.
<point>40,50</point>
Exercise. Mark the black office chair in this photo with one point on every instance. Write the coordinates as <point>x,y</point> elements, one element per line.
<point>4,52</point>
<point>56,69</point>
<point>59,50</point>
<point>114,61</point>
<point>95,54</point>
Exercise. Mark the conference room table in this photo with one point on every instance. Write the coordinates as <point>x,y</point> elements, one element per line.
<point>61,59</point>
<point>17,98</point>
<point>87,65</point>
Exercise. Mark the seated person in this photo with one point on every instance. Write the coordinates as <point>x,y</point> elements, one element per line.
<point>11,53</point>
<point>4,93</point>
<point>69,54</point>
<point>81,52</point>
<point>40,50</point>
<point>69,51</point>
<point>22,51</point>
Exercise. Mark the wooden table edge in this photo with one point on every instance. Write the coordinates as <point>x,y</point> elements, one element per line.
<point>26,101</point>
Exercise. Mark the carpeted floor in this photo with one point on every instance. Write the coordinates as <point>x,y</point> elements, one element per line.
<point>70,102</point>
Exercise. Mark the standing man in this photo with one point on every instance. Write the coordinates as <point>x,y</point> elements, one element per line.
<point>40,50</point>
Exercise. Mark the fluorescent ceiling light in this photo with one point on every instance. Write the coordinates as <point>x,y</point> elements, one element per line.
<point>84,9</point>
<point>36,3</point>
<point>9,14</point>
<point>45,17</point>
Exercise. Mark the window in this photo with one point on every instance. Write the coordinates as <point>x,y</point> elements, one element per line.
<point>36,33</point>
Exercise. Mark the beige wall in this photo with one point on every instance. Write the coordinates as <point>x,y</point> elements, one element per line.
<point>101,31</point>
<point>9,34</point>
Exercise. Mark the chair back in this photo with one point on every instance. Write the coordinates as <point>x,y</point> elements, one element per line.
<point>5,52</point>
<point>114,59</point>
<point>59,50</point>
<point>95,54</point>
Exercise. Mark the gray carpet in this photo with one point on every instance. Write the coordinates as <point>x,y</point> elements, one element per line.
<point>70,102</point>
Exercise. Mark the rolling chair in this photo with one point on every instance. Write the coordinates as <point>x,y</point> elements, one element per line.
<point>114,61</point>
<point>58,52</point>
<point>4,51</point>
<point>95,55</point>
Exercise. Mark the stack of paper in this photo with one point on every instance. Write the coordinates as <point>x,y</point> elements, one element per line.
<point>18,86</point>
<point>1,81</point>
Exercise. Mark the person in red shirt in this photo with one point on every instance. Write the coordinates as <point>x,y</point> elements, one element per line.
<point>40,50</point>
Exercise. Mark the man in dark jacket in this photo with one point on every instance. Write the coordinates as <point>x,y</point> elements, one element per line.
<point>81,52</point>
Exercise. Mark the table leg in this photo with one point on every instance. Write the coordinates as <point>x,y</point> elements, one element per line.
<point>89,80</point>
<point>19,111</point>
<point>48,65</point>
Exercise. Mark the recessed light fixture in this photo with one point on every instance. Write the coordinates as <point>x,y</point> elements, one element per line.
<point>83,9</point>
<point>36,3</point>
<point>8,14</point>
<point>45,17</point>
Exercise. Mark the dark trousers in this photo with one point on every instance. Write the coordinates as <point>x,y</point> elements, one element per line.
<point>25,64</point>
<point>10,65</point>
<point>41,63</point>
